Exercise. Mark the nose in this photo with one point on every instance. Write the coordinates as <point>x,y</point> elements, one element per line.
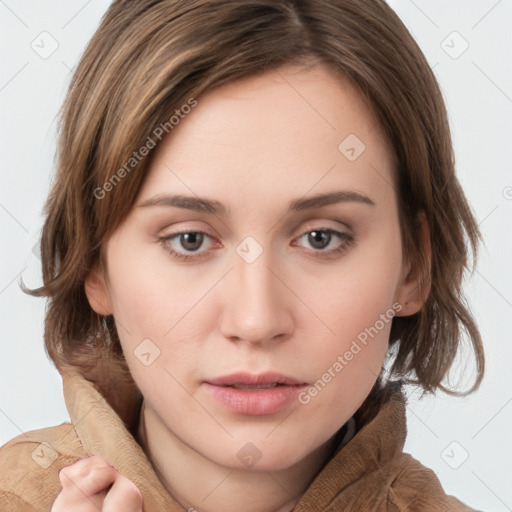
<point>257,304</point>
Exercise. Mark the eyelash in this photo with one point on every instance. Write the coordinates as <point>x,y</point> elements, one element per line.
<point>348,241</point>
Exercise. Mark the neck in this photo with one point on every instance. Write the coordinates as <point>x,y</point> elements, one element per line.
<point>213,487</point>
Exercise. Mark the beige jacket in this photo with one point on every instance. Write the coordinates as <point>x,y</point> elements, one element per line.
<point>369,474</point>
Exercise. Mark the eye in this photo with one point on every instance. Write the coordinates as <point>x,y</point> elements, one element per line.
<point>190,241</point>
<point>321,240</point>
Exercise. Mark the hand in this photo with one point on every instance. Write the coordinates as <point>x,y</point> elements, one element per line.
<point>92,484</point>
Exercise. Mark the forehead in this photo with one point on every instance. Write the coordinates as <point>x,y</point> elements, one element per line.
<point>291,129</point>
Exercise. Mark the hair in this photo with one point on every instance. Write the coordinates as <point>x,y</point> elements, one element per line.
<point>148,59</point>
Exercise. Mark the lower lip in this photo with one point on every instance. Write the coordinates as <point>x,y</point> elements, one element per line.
<point>255,402</point>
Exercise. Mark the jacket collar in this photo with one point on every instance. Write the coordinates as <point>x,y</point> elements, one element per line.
<point>102,432</point>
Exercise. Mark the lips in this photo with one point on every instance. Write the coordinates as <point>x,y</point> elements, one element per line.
<point>255,395</point>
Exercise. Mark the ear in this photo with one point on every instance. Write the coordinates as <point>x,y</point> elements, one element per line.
<point>97,292</point>
<point>409,293</point>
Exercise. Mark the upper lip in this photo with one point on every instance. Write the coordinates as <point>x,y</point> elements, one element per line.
<point>254,379</point>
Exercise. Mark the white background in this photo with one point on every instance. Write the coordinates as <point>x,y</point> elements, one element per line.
<point>477,86</point>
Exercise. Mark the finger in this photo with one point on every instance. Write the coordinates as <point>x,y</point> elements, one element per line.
<point>65,502</point>
<point>124,495</point>
<point>87,476</point>
<point>81,468</point>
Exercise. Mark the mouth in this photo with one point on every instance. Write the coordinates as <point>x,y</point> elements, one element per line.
<point>266,380</point>
<point>255,394</point>
<point>253,387</point>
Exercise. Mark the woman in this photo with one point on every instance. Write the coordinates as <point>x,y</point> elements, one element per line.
<point>254,238</point>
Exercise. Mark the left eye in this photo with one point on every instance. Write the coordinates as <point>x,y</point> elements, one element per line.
<point>321,238</point>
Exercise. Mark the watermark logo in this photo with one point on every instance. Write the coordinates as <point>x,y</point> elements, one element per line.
<point>44,455</point>
<point>352,147</point>
<point>249,249</point>
<point>45,45</point>
<point>455,455</point>
<point>343,360</point>
<point>249,455</point>
<point>454,45</point>
<point>147,352</point>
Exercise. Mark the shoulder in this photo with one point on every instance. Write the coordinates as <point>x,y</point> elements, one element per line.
<point>415,487</point>
<point>30,465</point>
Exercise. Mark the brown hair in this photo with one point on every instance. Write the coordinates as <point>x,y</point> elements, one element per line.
<point>148,58</point>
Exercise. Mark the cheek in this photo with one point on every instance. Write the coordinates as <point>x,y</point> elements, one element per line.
<point>358,290</point>
<point>162,318</point>
<point>359,314</point>
<point>150,296</point>
<point>355,305</point>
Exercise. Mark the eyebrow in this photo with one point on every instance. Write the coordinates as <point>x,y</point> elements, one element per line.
<point>202,204</point>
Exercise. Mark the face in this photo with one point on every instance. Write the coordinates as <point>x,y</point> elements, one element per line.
<point>287,297</point>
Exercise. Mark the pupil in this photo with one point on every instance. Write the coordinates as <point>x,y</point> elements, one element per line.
<point>321,237</point>
<point>195,239</point>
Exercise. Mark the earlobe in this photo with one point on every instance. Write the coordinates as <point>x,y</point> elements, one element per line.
<point>97,293</point>
<point>415,287</point>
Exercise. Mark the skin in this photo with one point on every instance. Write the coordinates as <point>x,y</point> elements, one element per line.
<point>255,145</point>
<point>92,484</point>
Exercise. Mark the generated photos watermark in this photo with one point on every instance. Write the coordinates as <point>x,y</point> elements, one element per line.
<point>145,149</point>
<point>343,360</point>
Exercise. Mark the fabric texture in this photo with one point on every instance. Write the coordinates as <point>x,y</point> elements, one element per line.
<point>368,471</point>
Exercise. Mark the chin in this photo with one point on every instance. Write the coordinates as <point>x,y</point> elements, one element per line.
<point>260,456</point>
